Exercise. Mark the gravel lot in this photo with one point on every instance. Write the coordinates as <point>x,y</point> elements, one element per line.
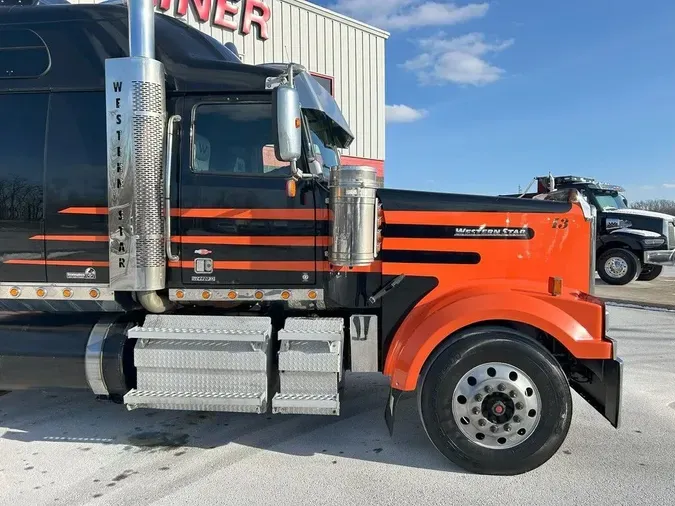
<point>65,448</point>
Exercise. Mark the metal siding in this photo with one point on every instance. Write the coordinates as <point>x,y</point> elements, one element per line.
<point>379,153</point>
<point>326,43</point>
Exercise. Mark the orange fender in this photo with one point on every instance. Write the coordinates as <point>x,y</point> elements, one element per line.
<point>430,324</point>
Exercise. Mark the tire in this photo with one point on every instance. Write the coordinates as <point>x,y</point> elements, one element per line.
<point>444,417</point>
<point>650,272</point>
<point>618,267</point>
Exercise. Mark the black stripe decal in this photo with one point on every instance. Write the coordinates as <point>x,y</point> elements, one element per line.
<point>457,232</point>
<point>430,257</point>
<point>254,228</point>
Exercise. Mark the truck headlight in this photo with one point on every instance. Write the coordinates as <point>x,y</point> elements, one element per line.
<point>653,241</point>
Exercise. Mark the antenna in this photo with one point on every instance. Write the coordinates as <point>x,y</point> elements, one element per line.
<point>288,56</point>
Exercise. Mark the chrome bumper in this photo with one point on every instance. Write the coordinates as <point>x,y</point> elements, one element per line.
<point>660,257</point>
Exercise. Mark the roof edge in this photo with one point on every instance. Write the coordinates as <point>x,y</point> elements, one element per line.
<point>318,9</point>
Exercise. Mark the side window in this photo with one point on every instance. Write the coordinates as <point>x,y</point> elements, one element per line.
<point>230,139</point>
<point>23,54</point>
<point>76,149</point>
<point>22,136</point>
<point>326,82</point>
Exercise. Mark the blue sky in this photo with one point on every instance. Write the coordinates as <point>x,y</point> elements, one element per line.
<point>483,96</point>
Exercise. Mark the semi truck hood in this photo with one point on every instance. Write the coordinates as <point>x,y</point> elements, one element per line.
<point>640,212</point>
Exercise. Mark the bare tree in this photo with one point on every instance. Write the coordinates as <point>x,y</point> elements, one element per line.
<point>657,205</point>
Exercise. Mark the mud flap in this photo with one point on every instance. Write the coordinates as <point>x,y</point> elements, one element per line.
<point>603,390</point>
<point>389,411</point>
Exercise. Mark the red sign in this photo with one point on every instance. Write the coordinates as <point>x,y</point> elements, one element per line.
<point>228,14</point>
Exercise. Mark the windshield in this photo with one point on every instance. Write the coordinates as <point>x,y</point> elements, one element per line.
<point>326,157</point>
<point>609,201</point>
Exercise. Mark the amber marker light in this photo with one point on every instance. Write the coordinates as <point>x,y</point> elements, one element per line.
<point>232,295</point>
<point>555,286</point>
<point>298,122</point>
<point>14,292</point>
<point>312,294</point>
<point>285,295</point>
<point>67,293</point>
<point>291,188</point>
<point>206,295</point>
<point>41,292</point>
<point>180,294</point>
<point>94,293</point>
<point>259,295</point>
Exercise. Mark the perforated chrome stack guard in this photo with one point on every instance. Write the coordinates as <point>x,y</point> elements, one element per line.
<point>310,366</point>
<point>136,115</point>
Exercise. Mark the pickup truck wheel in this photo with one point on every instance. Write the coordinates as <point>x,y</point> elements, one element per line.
<point>496,402</point>
<point>650,272</point>
<point>618,266</point>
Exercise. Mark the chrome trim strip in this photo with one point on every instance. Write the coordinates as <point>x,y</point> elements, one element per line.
<point>594,246</point>
<point>93,359</point>
<point>660,257</point>
<point>168,162</point>
<point>28,291</point>
<point>246,294</point>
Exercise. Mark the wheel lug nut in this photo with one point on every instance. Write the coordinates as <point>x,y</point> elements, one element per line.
<point>478,397</point>
<point>488,389</point>
<point>513,394</point>
<point>519,405</point>
<point>482,423</point>
<point>507,428</point>
<point>516,419</point>
<point>475,411</point>
<point>501,387</point>
<point>493,429</point>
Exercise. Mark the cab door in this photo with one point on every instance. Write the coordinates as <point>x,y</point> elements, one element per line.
<point>237,225</point>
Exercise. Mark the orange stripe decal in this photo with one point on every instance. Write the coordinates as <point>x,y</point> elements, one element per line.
<point>225,265</point>
<point>247,214</point>
<point>85,210</point>
<point>298,266</point>
<point>59,263</point>
<point>224,213</point>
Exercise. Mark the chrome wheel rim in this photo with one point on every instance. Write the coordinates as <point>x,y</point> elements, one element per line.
<point>496,405</point>
<point>616,267</point>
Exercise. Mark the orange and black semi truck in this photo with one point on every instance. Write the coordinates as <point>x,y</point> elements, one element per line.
<point>178,233</point>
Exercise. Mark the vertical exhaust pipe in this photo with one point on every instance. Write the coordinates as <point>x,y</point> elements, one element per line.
<point>136,119</point>
<point>141,29</point>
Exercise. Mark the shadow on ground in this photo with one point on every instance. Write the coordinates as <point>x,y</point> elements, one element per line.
<point>358,433</point>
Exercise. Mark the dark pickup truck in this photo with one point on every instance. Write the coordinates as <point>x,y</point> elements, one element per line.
<point>631,243</point>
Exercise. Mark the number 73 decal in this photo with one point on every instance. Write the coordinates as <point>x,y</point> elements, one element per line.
<point>560,223</point>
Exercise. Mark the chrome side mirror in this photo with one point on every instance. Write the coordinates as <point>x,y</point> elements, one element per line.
<point>287,123</point>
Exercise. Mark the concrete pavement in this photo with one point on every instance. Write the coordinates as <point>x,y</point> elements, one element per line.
<point>65,448</point>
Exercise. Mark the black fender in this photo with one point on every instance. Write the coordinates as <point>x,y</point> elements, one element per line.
<point>624,240</point>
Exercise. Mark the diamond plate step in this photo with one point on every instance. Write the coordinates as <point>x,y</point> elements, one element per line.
<point>298,404</point>
<point>202,363</point>
<point>197,401</point>
<point>204,328</point>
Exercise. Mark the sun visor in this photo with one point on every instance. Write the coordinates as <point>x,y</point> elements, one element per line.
<point>320,105</point>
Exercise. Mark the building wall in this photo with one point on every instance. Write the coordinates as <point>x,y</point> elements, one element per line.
<point>349,54</point>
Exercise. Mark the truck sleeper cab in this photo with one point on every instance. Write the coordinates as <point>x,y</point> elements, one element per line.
<point>195,244</point>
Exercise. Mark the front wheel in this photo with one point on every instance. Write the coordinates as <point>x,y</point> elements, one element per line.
<point>618,266</point>
<point>650,272</point>
<point>494,401</point>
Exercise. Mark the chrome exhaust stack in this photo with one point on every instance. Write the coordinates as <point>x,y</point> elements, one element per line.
<point>136,119</point>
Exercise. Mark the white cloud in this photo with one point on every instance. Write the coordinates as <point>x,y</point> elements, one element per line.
<point>409,14</point>
<point>460,60</point>
<point>669,185</point>
<point>403,114</point>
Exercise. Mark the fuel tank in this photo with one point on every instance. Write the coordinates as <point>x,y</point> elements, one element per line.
<point>67,350</point>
